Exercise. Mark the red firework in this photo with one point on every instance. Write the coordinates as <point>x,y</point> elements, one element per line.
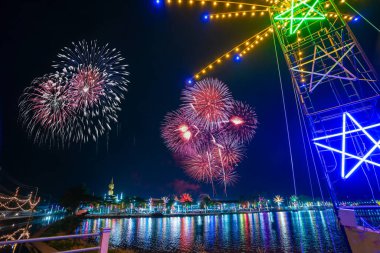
<point>207,102</point>
<point>242,122</point>
<point>201,167</point>
<point>208,133</point>
<point>86,87</point>
<point>181,134</point>
<point>186,198</point>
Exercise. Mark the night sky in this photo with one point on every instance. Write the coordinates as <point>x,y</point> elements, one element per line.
<point>163,47</point>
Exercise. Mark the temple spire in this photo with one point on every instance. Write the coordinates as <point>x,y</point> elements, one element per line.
<point>111,187</point>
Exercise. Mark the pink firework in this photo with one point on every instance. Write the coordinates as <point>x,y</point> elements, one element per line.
<point>208,133</point>
<point>98,85</point>
<point>228,151</point>
<point>86,87</point>
<point>201,167</point>
<point>181,134</point>
<point>45,108</point>
<point>81,102</point>
<point>207,102</point>
<point>227,178</point>
<point>242,122</point>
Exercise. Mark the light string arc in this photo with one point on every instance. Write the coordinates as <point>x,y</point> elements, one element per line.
<point>15,203</point>
<point>243,9</point>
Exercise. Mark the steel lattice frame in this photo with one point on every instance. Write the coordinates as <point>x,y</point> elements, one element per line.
<point>331,76</point>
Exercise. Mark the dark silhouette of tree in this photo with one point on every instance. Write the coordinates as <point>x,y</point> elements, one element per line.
<point>205,200</point>
<point>74,196</point>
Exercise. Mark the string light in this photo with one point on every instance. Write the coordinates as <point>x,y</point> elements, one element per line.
<point>22,233</point>
<point>14,203</point>
<point>244,47</point>
<point>289,16</point>
<point>239,5</point>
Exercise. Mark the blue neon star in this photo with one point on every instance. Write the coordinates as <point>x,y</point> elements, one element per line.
<point>343,151</point>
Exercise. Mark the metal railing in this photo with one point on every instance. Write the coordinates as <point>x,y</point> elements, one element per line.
<point>366,225</point>
<point>102,248</point>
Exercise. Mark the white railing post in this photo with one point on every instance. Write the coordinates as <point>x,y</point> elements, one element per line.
<point>104,239</point>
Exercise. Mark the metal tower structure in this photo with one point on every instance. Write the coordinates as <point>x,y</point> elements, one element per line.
<point>336,87</point>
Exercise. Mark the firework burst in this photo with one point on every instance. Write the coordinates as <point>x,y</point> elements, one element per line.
<point>181,134</point>
<point>97,85</point>
<point>201,167</point>
<point>228,150</point>
<point>208,132</point>
<point>227,178</point>
<point>186,198</point>
<point>229,153</point>
<point>81,101</point>
<point>45,108</point>
<point>207,102</point>
<point>98,75</point>
<point>87,87</point>
<point>242,122</point>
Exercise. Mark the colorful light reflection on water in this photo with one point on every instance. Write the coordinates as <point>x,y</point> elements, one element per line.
<point>304,231</point>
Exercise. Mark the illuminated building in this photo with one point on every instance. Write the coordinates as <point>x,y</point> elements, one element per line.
<point>110,196</point>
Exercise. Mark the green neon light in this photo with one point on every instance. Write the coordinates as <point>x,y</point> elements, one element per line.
<point>299,19</point>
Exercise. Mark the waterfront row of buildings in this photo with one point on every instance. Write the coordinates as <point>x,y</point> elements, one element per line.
<point>119,203</point>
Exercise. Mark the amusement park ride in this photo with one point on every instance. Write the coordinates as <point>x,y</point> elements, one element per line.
<point>336,86</point>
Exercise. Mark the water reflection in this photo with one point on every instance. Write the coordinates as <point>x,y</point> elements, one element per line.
<point>304,231</point>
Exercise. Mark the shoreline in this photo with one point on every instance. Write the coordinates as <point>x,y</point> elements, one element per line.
<point>25,217</point>
<point>160,215</point>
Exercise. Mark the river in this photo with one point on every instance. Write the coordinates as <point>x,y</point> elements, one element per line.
<point>303,231</point>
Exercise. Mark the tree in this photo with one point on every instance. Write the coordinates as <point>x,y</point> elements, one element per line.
<point>186,199</point>
<point>205,201</point>
<point>294,201</point>
<point>73,197</point>
<point>278,200</point>
<point>261,202</point>
<point>165,201</point>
